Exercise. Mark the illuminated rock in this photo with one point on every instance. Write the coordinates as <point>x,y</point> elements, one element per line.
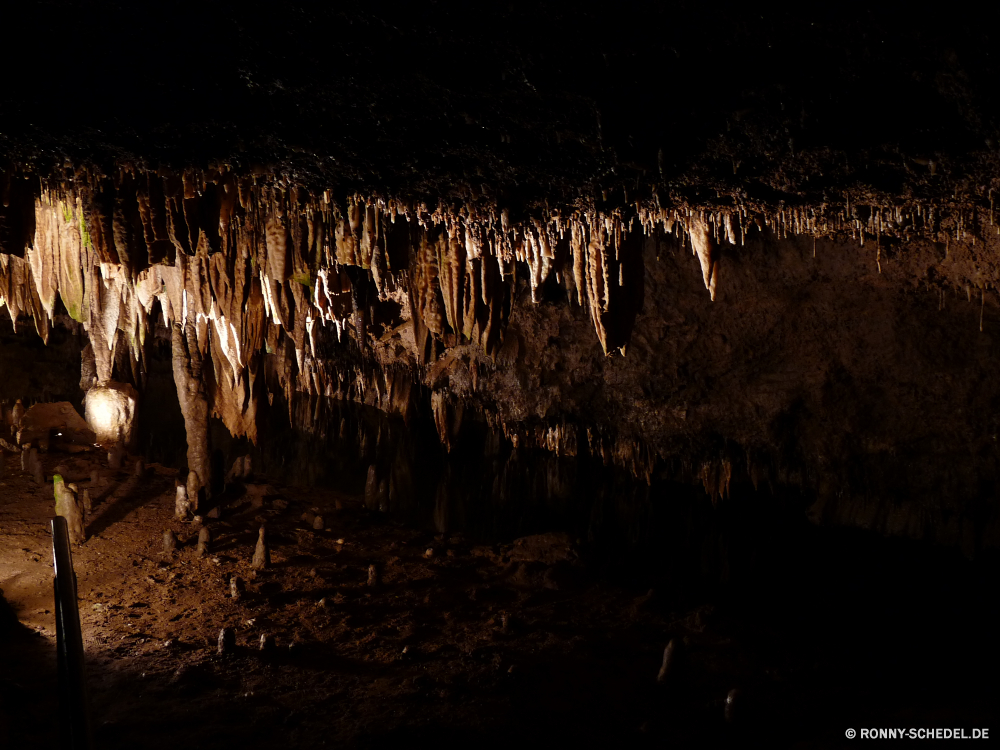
<point>110,411</point>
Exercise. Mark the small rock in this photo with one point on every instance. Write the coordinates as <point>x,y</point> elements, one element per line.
<point>372,575</point>
<point>323,603</point>
<point>214,513</point>
<point>318,524</point>
<point>308,517</point>
<point>204,540</point>
<point>429,552</point>
<point>140,468</point>
<point>95,477</point>
<point>261,555</point>
<point>169,542</point>
<point>266,642</point>
<point>227,641</point>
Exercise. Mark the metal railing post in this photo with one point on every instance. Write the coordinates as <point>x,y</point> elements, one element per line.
<point>74,708</point>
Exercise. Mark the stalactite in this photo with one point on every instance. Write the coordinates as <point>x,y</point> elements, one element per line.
<point>242,265</point>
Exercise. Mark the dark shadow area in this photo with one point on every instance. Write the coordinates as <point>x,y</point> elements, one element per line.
<point>28,696</point>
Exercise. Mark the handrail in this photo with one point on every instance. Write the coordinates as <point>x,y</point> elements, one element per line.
<point>74,706</point>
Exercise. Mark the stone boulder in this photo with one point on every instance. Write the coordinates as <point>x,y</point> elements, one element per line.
<point>59,420</point>
<point>110,410</point>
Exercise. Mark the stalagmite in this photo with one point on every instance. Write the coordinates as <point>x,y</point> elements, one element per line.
<point>235,588</point>
<point>261,555</point>
<point>371,489</point>
<point>169,542</point>
<point>86,502</point>
<point>115,457</point>
<point>672,658</point>
<point>193,398</point>
<point>372,575</point>
<point>35,466</point>
<point>69,507</point>
<point>182,508</point>
<point>318,524</point>
<point>266,642</point>
<point>191,492</point>
<point>204,541</point>
<point>227,641</point>
<point>732,710</point>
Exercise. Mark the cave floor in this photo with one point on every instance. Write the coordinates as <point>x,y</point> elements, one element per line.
<point>456,642</point>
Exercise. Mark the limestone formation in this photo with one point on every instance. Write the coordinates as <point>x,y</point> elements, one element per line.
<point>266,642</point>
<point>371,489</point>
<point>733,703</point>
<point>169,542</point>
<point>115,457</point>
<point>188,362</point>
<point>35,467</point>
<point>182,508</point>
<point>372,575</point>
<point>70,508</point>
<point>42,422</point>
<point>261,555</point>
<point>204,541</point>
<point>318,523</point>
<point>235,588</point>
<point>673,656</point>
<point>227,641</point>
<point>412,307</point>
<point>17,414</point>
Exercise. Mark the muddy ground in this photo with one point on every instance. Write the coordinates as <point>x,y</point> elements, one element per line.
<point>460,641</point>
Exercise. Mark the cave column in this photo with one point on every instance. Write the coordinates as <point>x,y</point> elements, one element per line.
<point>193,398</point>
